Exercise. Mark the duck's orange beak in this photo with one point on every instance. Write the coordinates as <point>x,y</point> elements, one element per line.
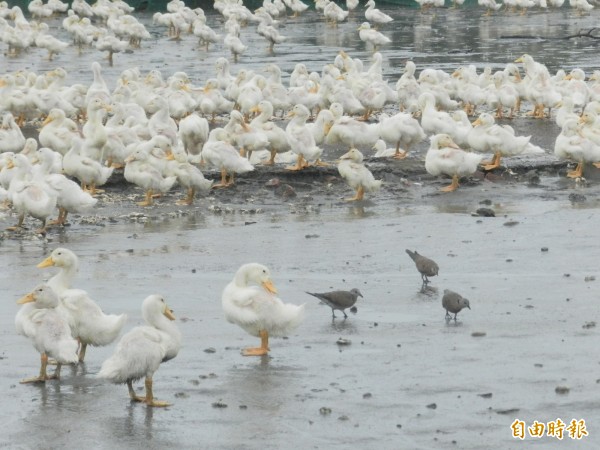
<point>268,285</point>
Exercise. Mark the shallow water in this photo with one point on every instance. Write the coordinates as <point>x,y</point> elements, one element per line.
<point>535,307</point>
<point>443,39</point>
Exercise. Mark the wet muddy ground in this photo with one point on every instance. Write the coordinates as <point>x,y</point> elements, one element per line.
<point>408,378</point>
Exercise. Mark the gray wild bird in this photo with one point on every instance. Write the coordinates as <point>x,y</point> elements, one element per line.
<point>453,303</point>
<point>339,300</point>
<point>426,267</point>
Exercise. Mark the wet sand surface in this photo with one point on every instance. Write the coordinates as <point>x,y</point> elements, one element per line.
<point>408,378</point>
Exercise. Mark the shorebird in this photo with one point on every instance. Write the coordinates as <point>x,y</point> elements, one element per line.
<point>426,267</point>
<point>339,300</point>
<point>453,303</point>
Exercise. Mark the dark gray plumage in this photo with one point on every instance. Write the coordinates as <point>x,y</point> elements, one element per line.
<point>453,303</point>
<point>338,299</point>
<point>426,267</point>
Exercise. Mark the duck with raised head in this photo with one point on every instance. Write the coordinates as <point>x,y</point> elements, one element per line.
<point>29,195</point>
<point>70,197</point>
<point>40,321</point>
<point>301,140</point>
<point>372,14</point>
<point>401,129</point>
<point>141,351</point>
<point>276,136</point>
<point>88,323</point>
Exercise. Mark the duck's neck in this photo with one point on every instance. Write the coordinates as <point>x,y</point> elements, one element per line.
<point>168,326</point>
<point>63,280</point>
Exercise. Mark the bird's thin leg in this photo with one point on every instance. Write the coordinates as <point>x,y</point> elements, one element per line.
<point>82,351</point>
<point>132,394</point>
<point>150,401</point>
<point>56,374</point>
<point>42,377</point>
<point>333,313</point>
<point>345,315</point>
<point>264,346</point>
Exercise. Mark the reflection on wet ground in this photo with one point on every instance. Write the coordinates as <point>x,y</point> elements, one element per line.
<point>408,378</point>
<point>444,39</point>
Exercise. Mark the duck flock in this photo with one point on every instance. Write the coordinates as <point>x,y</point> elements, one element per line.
<point>161,130</point>
<point>61,322</point>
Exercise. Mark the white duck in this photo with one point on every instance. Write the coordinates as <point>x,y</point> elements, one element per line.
<point>58,131</point>
<point>189,176</point>
<point>89,172</point>
<point>445,157</point>
<point>570,144</point>
<point>507,95</point>
<point>432,120</point>
<point>249,301</point>
<point>234,44</point>
<point>334,13</point>
<point>267,30</point>
<point>111,44</point>
<point>382,150</point>
<point>276,136</point>
<point>193,132</point>
<point>296,6</point>
<point>98,87</point>
<point>501,140</point>
<point>351,132</point>
<point>374,15</point>
<point>48,330</point>
<point>358,177</point>
<point>245,136</point>
<point>11,136</point>
<point>45,40</point>
<point>565,111</point>
<point>140,171</point>
<point>29,196</point>
<point>301,141</point>
<point>70,197</point>
<point>590,125</point>
<point>94,132</point>
<point>87,321</point>
<point>408,89</point>
<point>400,129</point>
<point>205,34</point>
<point>372,36</point>
<point>161,122</point>
<point>219,153</point>
<point>140,352</point>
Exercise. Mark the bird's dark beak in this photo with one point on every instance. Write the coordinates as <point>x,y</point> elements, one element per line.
<point>468,307</point>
